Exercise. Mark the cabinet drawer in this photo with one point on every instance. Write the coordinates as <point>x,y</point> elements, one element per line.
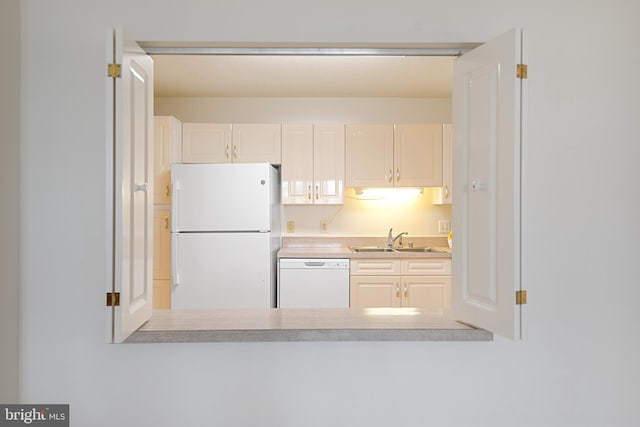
<point>378,267</point>
<point>426,266</point>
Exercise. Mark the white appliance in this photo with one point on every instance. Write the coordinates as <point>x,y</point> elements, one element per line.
<point>225,235</point>
<point>313,283</point>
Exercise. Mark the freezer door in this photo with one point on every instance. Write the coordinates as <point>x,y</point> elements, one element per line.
<point>222,197</point>
<point>223,270</point>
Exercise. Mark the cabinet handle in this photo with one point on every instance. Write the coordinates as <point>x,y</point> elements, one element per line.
<point>317,191</point>
<point>397,291</point>
<point>166,223</point>
<point>309,192</point>
<point>446,192</point>
<point>406,291</point>
<point>390,175</point>
<point>235,151</point>
<point>398,174</point>
<point>167,191</point>
<point>226,151</point>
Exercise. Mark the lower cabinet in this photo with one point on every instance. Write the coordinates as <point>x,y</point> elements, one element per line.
<point>161,258</point>
<point>413,282</point>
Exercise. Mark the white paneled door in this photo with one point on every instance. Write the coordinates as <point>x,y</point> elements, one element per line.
<point>487,138</point>
<point>130,142</point>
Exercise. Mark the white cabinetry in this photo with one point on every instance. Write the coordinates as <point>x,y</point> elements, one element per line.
<point>206,143</point>
<point>226,143</point>
<point>167,147</point>
<point>313,164</point>
<point>394,156</point>
<point>443,195</point>
<point>412,282</point>
<point>369,156</point>
<point>256,143</point>
<point>161,259</point>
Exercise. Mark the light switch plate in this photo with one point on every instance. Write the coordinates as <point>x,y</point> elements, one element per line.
<point>444,226</point>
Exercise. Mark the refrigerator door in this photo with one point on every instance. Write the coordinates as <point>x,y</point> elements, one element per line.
<point>222,197</point>
<point>223,270</point>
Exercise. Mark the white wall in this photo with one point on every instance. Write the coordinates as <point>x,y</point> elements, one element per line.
<point>579,364</point>
<point>355,217</point>
<point>10,196</point>
<point>307,110</point>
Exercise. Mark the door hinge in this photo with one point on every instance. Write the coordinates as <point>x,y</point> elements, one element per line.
<point>521,297</point>
<point>113,299</point>
<point>113,70</point>
<point>521,71</point>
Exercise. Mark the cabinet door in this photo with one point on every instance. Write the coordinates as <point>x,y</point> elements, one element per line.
<point>297,164</point>
<point>162,294</point>
<point>426,291</point>
<point>426,267</point>
<point>167,147</point>
<point>161,244</point>
<point>374,291</point>
<point>257,143</point>
<point>328,164</point>
<point>443,195</point>
<point>369,156</point>
<point>375,267</point>
<point>206,143</point>
<point>418,155</point>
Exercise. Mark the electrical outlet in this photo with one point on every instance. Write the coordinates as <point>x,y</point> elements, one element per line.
<point>324,225</point>
<point>291,226</point>
<point>444,226</point>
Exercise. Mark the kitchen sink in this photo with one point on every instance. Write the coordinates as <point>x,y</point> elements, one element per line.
<point>371,249</point>
<point>388,249</point>
<point>416,250</point>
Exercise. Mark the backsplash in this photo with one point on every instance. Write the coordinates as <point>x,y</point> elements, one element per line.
<point>357,217</point>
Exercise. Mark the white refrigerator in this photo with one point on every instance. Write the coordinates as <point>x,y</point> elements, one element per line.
<point>225,235</point>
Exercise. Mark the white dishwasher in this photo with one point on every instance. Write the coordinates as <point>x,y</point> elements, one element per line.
<point>313,283</point>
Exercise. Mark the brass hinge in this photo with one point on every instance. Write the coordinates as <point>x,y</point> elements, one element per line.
<point>521,71</point>
<point>113,299</point>
<point>521,297</point>
<point>113,70</point>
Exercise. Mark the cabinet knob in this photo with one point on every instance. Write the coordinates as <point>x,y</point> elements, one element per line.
<point>166,222</point>
<point>390,175</point>
<point>226,151</point>
<point>167,190</point>
<point>398,174</point>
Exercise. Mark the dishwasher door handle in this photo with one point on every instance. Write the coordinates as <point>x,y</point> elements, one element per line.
<point>314,263</point>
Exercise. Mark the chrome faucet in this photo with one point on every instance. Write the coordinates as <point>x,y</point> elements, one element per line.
<point>392,240</point>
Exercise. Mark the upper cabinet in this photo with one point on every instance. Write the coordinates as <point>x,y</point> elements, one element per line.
<point>443,195</point>
<point>167,143</point>
<point>206,143</point>
<point>369,156</point>
<point>257,143</point>
<point>394,156</point>
<point>226,143</point>
<point>417,155</point>
<point>313,164</point>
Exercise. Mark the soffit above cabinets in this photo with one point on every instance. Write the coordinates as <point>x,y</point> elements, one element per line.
<point>302,76</point>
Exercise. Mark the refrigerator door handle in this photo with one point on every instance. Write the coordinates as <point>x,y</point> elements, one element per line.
<point>175,276</point>
<point>174,206</point>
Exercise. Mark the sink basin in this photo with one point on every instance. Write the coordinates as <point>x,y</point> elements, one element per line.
<point>388,249</point>
<point>371,249</point>
<point>416,250</point>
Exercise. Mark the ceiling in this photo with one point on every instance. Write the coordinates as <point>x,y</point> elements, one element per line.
<point>302,76</point>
